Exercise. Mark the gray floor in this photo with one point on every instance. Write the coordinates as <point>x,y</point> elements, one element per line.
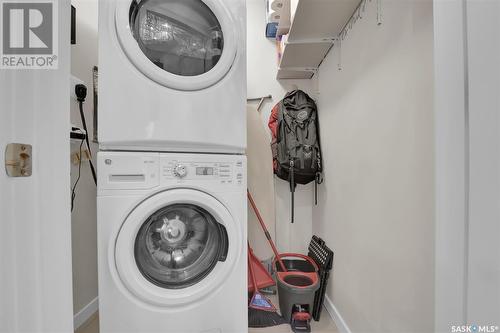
<point>325,325</point>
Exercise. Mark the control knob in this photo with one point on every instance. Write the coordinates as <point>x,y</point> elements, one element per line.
<point>180,171</point>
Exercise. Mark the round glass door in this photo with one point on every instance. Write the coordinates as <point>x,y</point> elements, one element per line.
<point>176,247</point>
<point>179,245</point>
<point>182,37</point>
<point>185,45</point>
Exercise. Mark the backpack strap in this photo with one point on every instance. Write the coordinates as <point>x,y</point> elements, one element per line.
<point>292,190</point>
<point>317,181</point>
<point>319,174</point>
<point>281,123</point>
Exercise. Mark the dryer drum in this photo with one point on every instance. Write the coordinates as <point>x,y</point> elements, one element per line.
<point>179,245</point>
<point>182,37</point>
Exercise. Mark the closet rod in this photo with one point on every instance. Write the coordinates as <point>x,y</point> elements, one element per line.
<point>260,99</point>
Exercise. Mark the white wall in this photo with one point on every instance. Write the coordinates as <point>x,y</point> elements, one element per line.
<point>377,204</point>
<point>35,244</point>
<point>84,232</point>
<point>262,69</point>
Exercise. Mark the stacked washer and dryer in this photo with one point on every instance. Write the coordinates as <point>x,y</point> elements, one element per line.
<point>172,170</point>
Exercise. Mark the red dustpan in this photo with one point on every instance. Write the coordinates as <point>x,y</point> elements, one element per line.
<point>262,276</point>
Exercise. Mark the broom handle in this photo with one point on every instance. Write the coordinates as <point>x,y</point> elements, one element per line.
<point>266,232</point>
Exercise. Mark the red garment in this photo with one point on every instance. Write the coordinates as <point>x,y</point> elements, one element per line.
<point>273,126</point>
<point>273,122</point>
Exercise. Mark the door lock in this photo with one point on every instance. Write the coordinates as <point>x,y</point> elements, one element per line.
<point>18,160</point>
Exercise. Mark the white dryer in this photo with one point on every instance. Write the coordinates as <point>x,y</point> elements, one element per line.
<point>172,243</point>
<point>172,75</point>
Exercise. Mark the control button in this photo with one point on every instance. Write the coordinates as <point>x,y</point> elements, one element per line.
<point>180,171</point>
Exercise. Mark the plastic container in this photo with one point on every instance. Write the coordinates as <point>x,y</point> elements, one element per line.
<point>297,286</point>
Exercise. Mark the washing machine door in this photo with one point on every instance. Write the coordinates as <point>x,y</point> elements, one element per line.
<point>181,44</point>
<point>176,247</point>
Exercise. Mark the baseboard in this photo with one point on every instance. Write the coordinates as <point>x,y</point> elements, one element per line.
<point>84,314</point>
<point>336,317</point>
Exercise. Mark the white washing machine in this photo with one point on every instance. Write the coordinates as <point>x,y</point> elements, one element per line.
<point>172,243</point>
<point>172,75</point>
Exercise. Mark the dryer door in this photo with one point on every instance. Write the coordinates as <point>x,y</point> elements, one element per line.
<point>181,44</point>
<point>176,247</point>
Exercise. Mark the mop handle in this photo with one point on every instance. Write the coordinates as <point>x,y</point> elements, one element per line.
<point>268,236</point>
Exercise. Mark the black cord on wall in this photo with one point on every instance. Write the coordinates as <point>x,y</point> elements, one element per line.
<point>73,190</point>
<point>81,94</point>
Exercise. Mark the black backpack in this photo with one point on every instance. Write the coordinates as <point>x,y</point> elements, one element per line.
<point>296,145</point>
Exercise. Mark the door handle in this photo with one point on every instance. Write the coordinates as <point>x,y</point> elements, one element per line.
<point>18,160</point>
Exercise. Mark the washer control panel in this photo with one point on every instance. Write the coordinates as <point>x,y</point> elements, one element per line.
<point>141,171</point>
<point>207,170</point>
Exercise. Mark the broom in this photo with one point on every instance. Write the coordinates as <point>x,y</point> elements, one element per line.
<point>266,232</point>
<point>261,312</point>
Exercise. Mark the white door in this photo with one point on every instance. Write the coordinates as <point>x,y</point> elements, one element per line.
<point>467,49</point>
<point>483,261</point>
<point>35,225</point>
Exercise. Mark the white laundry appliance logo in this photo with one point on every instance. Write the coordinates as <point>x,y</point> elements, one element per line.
<point>29,34</point>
